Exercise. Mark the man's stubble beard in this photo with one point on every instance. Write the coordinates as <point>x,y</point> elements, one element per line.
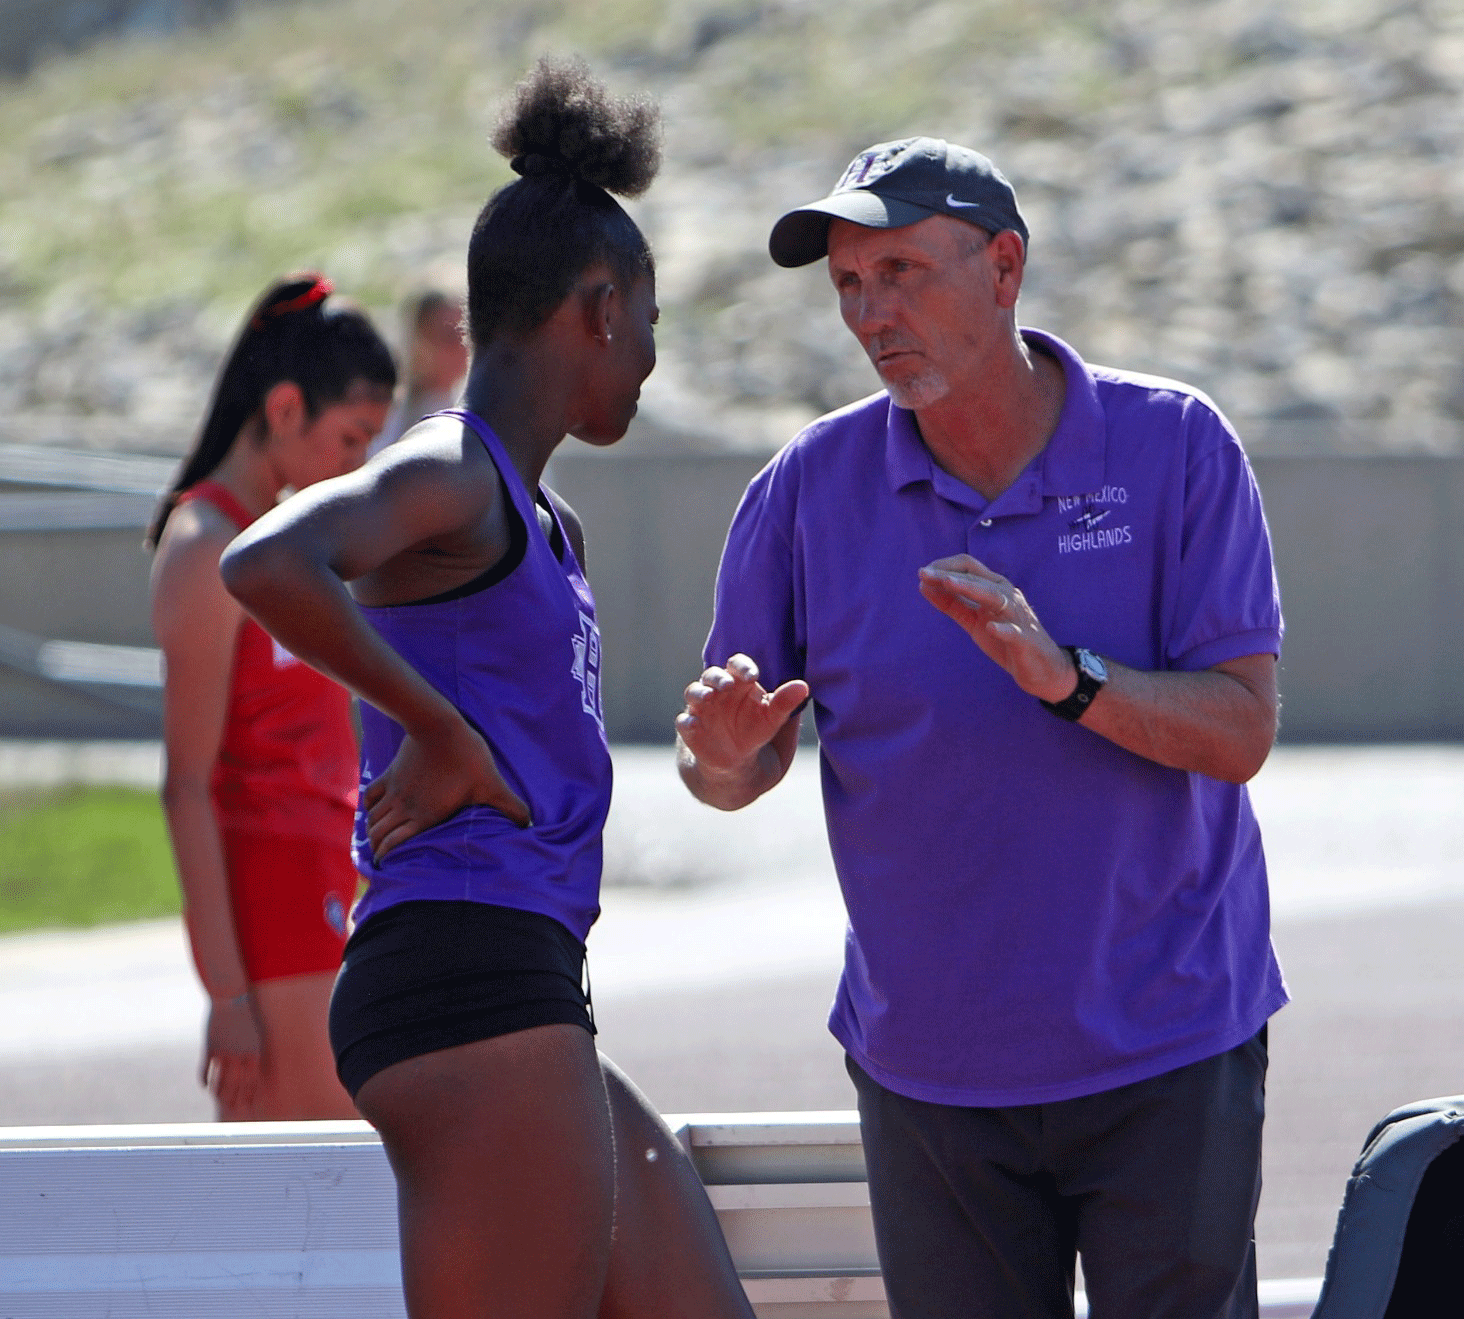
<point>918,391</point>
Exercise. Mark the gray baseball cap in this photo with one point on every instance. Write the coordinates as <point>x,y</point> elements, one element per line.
<point>899,183</point>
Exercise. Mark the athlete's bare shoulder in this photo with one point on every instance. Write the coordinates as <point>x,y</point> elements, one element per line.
<point>440,491</point>
<point>185,572</point>
<point>436,449</point>
<point>433,484</point>
<point>194,536</point>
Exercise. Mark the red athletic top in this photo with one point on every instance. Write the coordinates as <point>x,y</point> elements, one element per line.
<point>288,762</point>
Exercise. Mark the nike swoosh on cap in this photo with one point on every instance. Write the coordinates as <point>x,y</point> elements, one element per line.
<point>953,200</point>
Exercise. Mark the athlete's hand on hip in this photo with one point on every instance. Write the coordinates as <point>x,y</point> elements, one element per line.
<point>729,715</point>
<point>433,775</point>
<point>997,617</point>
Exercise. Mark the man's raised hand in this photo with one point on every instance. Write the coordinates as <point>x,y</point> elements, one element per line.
<point>997,617</point>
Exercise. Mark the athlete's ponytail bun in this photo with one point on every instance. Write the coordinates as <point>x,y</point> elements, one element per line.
<point>561,123</point>
<point>572,144</point>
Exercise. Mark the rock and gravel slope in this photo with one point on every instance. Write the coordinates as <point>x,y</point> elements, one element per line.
<point>1266,199</point>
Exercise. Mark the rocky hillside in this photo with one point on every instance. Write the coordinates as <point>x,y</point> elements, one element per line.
<point>1265,198</point>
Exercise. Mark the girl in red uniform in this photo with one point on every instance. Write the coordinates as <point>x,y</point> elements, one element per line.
<point>260,786</point>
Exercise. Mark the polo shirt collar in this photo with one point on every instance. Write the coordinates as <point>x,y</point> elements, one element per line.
<point>1072,463</point>
<point>1074,460</point>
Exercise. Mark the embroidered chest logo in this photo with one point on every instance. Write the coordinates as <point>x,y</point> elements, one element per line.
<point>282,657</point>
<point>1092,521</point>
<point>586,668</point>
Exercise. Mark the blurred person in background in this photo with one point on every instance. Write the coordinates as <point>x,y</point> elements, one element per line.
<point>533,1179</point>
<point>436,362</point>
<point>1031,603</point>
<point>260,783</point>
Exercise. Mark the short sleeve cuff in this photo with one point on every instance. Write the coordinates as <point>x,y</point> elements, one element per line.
<point>1262,641</point>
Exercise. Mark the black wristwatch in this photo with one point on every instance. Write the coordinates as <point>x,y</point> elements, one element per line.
<point>1092,674</point>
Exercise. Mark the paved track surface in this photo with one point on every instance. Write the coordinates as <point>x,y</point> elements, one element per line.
<point>714,971</point>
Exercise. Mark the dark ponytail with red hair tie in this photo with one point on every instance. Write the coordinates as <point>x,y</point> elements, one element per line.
<point>324,353</point>
<point>317,293</point>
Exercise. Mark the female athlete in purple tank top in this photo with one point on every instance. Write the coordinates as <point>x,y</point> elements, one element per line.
<point>471,636</point>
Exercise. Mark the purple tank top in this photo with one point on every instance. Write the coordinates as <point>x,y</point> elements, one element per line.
<point>518,652</point>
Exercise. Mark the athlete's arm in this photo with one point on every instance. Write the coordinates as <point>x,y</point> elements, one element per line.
<point>197,625</point>
<point>735,740</point>
<point>289,570</point>
<point>1219,721</point>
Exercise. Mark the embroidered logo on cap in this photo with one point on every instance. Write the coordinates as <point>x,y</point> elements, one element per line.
<point>870,165</point>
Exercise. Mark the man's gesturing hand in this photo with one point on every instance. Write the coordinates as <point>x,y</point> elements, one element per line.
<point>997,617</point>
<point>729,716</point>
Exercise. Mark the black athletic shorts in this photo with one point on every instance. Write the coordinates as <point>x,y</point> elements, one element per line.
<point>423,976</point>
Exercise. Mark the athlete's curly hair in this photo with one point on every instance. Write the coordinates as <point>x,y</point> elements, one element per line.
<point>573,145</point>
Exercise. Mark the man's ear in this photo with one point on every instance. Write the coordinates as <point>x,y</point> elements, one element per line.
<point>1008,257</point>
<point>284,409</point>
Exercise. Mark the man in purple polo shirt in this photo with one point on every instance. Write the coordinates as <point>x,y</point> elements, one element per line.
<point>1031,603</point>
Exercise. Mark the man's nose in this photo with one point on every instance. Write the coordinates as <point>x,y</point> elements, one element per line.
<point>871,311</point>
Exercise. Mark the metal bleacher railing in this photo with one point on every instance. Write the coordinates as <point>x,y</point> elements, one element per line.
<point>299,1219</point>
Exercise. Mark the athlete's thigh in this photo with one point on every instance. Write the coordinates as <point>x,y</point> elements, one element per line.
<point>505,1174</point>
<point>966,1219</point>
<point>670,1259</point>
<point>1168,1174</point>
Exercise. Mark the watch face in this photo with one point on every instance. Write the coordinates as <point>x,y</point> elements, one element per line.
<point>1092,665</point>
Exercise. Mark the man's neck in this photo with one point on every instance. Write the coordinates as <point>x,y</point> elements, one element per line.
<point>986,436</point>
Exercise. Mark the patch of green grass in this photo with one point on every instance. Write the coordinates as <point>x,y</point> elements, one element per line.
<point>83,856</point>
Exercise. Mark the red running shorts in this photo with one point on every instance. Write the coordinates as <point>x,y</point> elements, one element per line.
<point>291,897</point>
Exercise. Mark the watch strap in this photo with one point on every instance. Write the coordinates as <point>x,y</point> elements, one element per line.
<point>1074,707</point>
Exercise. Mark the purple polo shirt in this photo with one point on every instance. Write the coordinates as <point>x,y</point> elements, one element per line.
<point>1034,912</point>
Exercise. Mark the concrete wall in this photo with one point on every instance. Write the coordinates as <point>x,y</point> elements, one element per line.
<point>82,584</point>
<point>1369,551</point>
<point>1371,562</point>
<point>654,528</point>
